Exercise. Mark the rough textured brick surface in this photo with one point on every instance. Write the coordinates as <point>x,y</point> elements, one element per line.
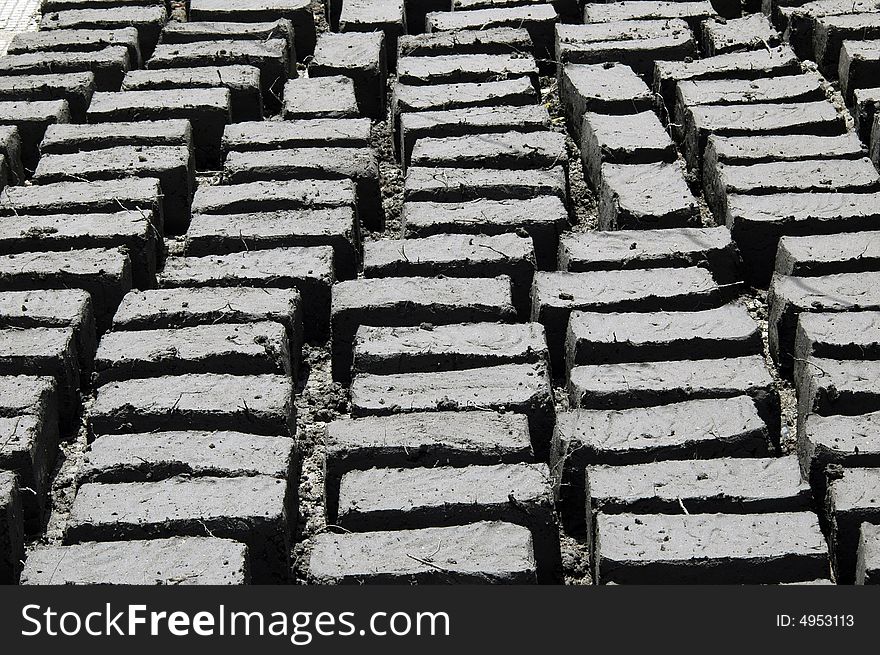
<point>847,335</point>
<point>848,441</point>
<point>11,529</point>
<point>29,448</point>
<point>637,196</point>
<point>75,88</point>
<point>868,561</point>
<point>828,254</point>
<point>852,499</point>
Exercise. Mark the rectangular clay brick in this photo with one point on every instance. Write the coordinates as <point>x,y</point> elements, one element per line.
<point>830,386</point>
<point>853,500</point>
<point>693,11</point>
<point>108,66</point>
<point>635,196</point>
<point>864,107</point>
<point>365,58</point>
<point>799,21</point>
<point>75,88</point>
<point>11,529</point>
<point>424,184</point>
<point>318,132</point>
<point>493,41</point>
<point>829,33</point>
<point>828,253</point>
<point>195,31</point>
<point>747,33</point>
<point>30,446</point>
<point>332,96</point>
<point>273,196</point>
<point>868,560</point>
<point>149,21</point>
<point>742,150</point>
<point>846,335</point>
<point>510,150</point>
<point>71,138</point>
<point>32,118</point>
<point>458,68</point>
<point>77,40</point>
<point>859,64</point>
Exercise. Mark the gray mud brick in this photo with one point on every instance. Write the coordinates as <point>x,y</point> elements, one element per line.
<point>595,338</point>
<point>800,21</point>
<point>602,89</point>
<point>320,97</point>
<point>537,19</point>
<point>194,31</point>
<point>423,184</point>
<point>10,148</point>
<point>409,301</point>
<point>394,498</point>
<point>518,388</point>
<point>387,17</point>
<point>757,222</point>
<point>171,165</point>
<point>61,5</point>
<point>468,121</point>
<point>363,58</point>
<point>853,501</point>
<point>318,132</point>
<point>243,82</point>
<point>360,165</point>
<point>868,560</point>
<point>77,41</point>
<point>172,561</point>
<point>491,41</point>
<point>115,458</point>
<point>298,12</point>
<point>256,404</point>
<point>101,196</point>
<point>29,447</point>
<point>786,119</point>
<point>272,196</point>
<point>766,148</point>
<point>694,429</point>
<point>632,43</point>
<point>270,56</point>
<point>830,386</point>
<point>208,110</point>
<point>864,107</point>
<point>517,150</point>
<point>457,255</point>
<point>308,269</point>
<point>449,69</point>
<point>421,439</point>
<point>856,175</point>
<point>11,529</point>
<point>104,273</point>
<point>76,88</point>
<point>32,118</point>
<point>148,20</point>
<point>636,196</point>
<point>829,33</point>
<point>709,548</point>
<point>627,139</point>
<point>566,8</point>
<point>859,66</point>
<point>180,308</point>
<point>478,553</point>
<point>750,32</point>
<point>556,294</point>
<point>847,335</point>
<point>827,254</point>
<point>68,138</point>
<point>108,66</point>
<point>694,12</point>
<point>642,384</point>
<point>734,65</point>
<point>709,247</point>
<point>252,510</point>
<point>419,349</point>
<point>249,349</point>
<point>790,296</point>
<point>223,234</point>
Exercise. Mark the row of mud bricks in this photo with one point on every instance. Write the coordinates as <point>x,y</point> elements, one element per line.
<point>441,291</point>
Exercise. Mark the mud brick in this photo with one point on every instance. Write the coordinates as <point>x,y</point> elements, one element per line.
<point>828,254</point>
<point>320,97</point>
<point>250,349</point>
<point>800,21</point>
<point>77,41</point>
<point>766,148</point>
<point>387,17</point>
<point>634,196</point>
<point>195,31</point>
<point>273,196</point>
<point>102,196</point>
<point>734,65</point>
<point>172,561</point>
<point>829,33</point>
<point>694,12</point>
<point>11,529</point>
<point>709,247</point>
<point>108,66</point>
<point>431,497</point>
<point>864,107</point>
<point>361,165</point>
<point>542,218</point>
<point>409,301</point>
<point>847,335</point>
<point>76,88</point>
<point>363,58</point>
<point>251,509</point>
<point>32,118</point>
<point>308,269</point>
<point>600,88</point>
<point>243,82</point>
<point>537,19</point>
<point>694,429</point>
<point>68,138</point>
<point>868,559</point>
<point>60,5</point>
<point>709,548</point>
<point>490,41</point>
<point>790,296</point>
<point>641,384</point>
<point>632,43</point>
<point>456,69</point>
<point>477,553</point>
<point>457,255</point>
<point>171,165</point>
<point>857,175</point>
<point>853,501</point>
<point>391,350</point>
<point>556,294</point>
<point>628,139</point>
<point>747,33</point>
<point>30,443</point>
<point>788,119</point>
<point>257,404</point>
<point>104,273</point>
<point>830,386</point>
<point>10,149</point>
<point>180,308</point>
<point>116,458</point>
<point>466,184</point>
<point>223,234</point>
<point>148,20</point>
<point>859,66</point>
<point>595,338</point>
<point>511,150</point>
<point>298,12</point>
<point>318,132</point>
